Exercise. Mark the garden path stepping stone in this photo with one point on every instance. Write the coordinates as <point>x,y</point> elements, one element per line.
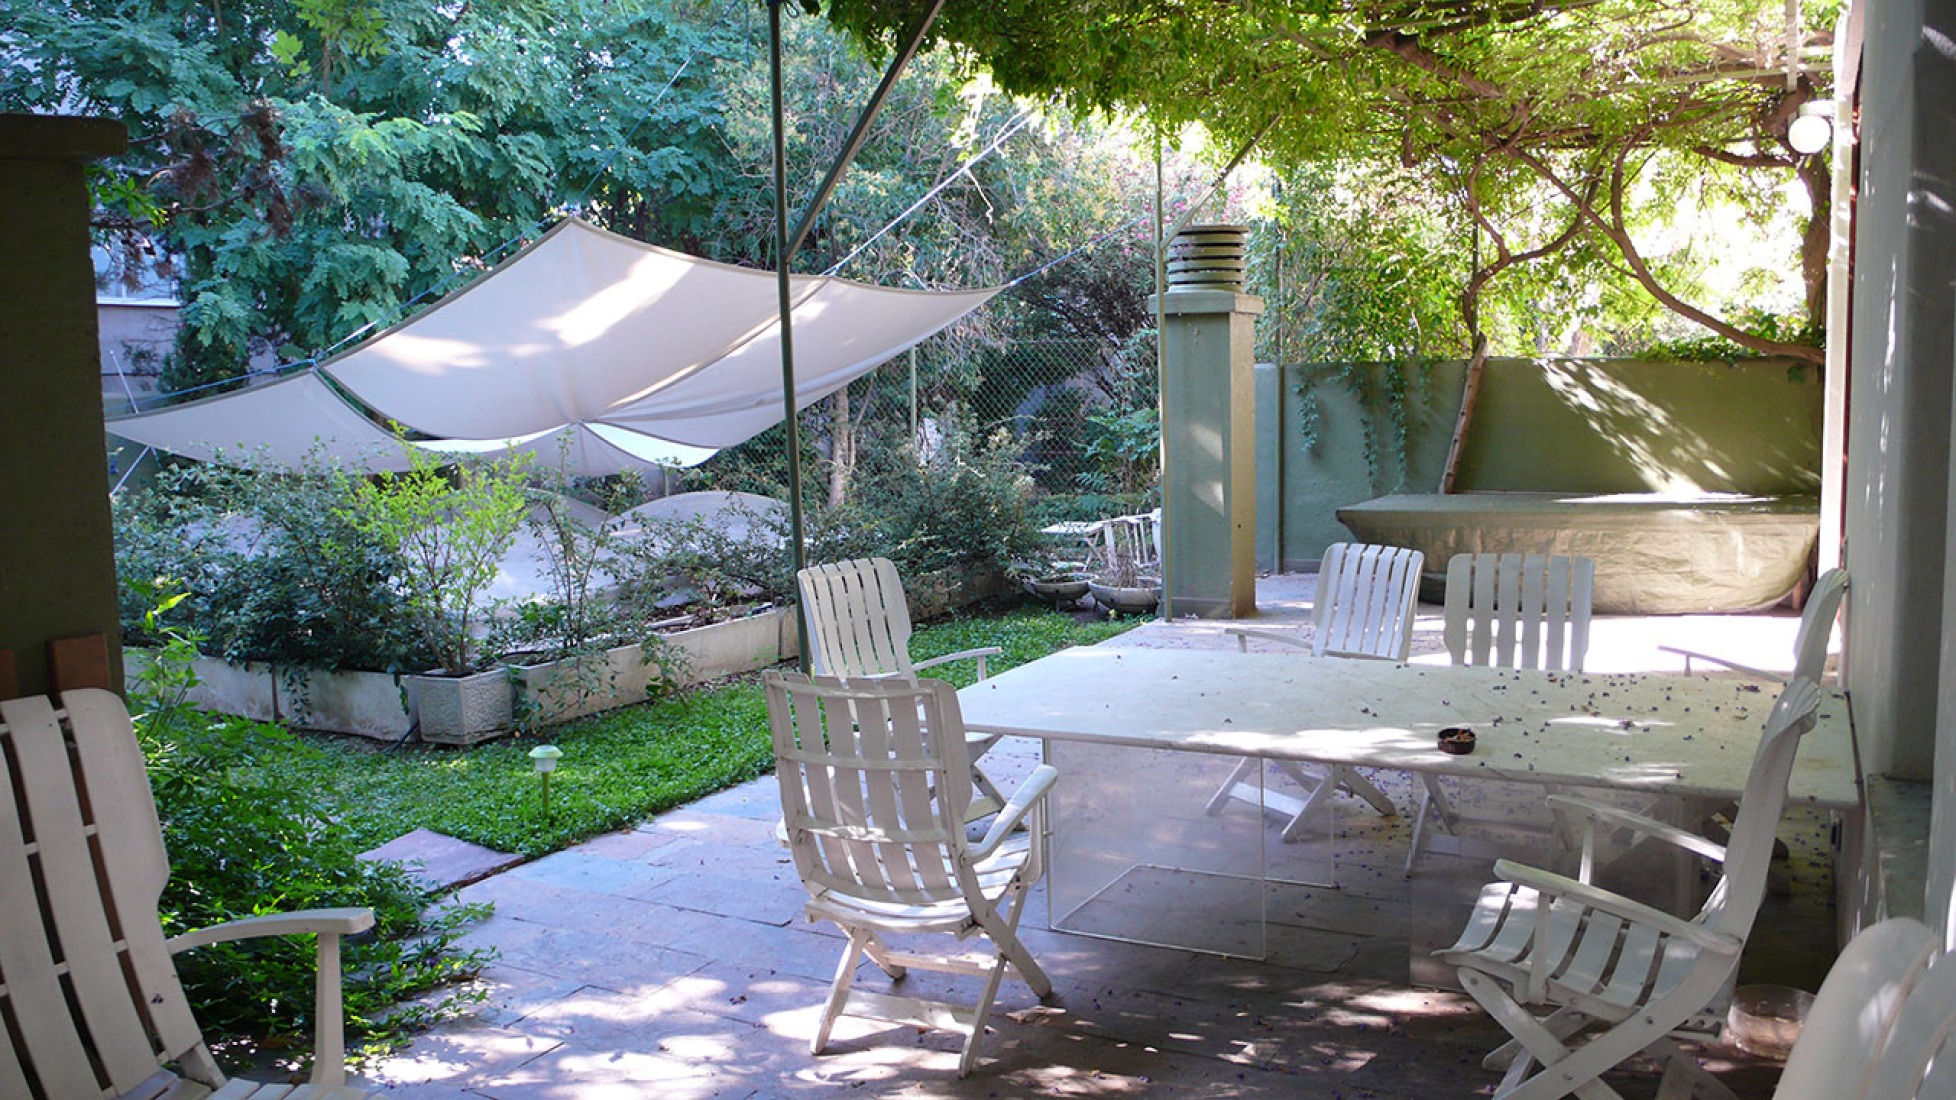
<point>441,862</point>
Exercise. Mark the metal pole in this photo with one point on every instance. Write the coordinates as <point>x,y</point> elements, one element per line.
<point>1281,416</point>
<point>861,132</point>
<point>913,404</point>
<point>782,255</point>
<point>1161,392</point>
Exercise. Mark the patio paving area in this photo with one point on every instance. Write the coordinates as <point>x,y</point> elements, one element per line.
<point>672,961</point>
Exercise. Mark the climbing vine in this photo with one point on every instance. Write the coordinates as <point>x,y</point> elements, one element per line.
<point>1360,269</point>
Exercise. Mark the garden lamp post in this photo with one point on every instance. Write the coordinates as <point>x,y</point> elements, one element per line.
<point>544,758</point>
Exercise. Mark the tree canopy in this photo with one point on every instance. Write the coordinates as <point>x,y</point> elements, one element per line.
<point>1597,108</point>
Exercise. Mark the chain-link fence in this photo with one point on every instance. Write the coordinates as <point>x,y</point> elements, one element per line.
<point>1086,425</point>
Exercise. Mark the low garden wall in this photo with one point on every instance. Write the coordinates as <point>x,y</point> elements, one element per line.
<point>1590,426</point>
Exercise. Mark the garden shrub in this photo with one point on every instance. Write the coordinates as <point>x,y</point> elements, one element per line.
<point>245,841</point>
<point>274,567</point>
<point>968,503</point>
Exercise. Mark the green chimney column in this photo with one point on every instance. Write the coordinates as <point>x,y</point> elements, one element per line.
<point>1208,438</point>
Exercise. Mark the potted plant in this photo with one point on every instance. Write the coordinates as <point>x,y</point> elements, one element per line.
<point>1120,586</point>
<point>449,530</point>
<point>1056,582</point>
<point>584,648</point>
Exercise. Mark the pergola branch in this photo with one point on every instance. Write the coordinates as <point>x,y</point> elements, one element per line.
<point>1613,228</point>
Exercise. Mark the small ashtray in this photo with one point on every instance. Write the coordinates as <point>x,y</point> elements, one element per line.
<point>1457,740</point>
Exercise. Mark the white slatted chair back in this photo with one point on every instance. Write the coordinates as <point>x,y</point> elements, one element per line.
<point>858,618</point>
<point>1519,610</point>
<point>1919,1061</point>
<point>1817,625</point>
<point>93,864</point>
<point>1366,599</point>
<point>874,814</point>
<point>1734,900</point>
<point>1135,539</point>
<point>87,979</point>
<point>864,769</point>
<point>1844,1034</point>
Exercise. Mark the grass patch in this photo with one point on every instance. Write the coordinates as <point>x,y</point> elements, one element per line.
<point>618,768</point>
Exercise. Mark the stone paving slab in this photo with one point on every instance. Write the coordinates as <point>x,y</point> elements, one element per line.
<point>441,862</point>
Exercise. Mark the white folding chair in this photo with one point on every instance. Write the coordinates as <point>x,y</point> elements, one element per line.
<point>1809,643</point>
<point>878,836</point>
<point>1364,608</point>
<point>1809,659</point>
<point>86,977</point>
<point>1919,1060</point>
<point>1612,977</point>
<point>1508,611</point>
<point>859,627</point>
<point>1846,1031</point>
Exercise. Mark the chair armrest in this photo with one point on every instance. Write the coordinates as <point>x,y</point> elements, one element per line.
<point>1690,655</point>
<point>979,654</point>
<point>340,922</point>
<point>329,1012</point>
<point>1243,634</point>
<point>1618,817</point>
<point>1016,808</point>
<point>1595,897</point>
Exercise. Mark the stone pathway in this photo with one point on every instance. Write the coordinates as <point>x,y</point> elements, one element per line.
<point>672,961</point>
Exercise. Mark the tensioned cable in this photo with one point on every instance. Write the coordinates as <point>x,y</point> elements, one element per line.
<point>1042,268</point>
<point>1011,128</point>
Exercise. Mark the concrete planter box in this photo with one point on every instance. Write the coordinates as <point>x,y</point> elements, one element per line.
<point>737,645</point>
<point>248,691</point>
<point>558,691</point>
<point>945,590</point>
<point>463,710</point>
<point>368,704</point>
<point>374,704</point>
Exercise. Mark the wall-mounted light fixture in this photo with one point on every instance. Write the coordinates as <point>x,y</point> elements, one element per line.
<point>1812,129</point>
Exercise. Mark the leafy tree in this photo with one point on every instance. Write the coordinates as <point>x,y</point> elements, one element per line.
<point>310,167</point>
<point>1597,107</point>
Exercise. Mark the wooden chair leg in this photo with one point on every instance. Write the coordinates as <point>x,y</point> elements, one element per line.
<point>1432,797</point>
<point>1001,926</point>
<point>1563,1071</point>
<point>845,976</point>
<point>1363,788</point>
<point>1317,803</point>
<point>1236,787</point>
<point>879,953</point>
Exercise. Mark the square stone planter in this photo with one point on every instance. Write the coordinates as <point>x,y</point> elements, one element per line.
<point>558,691</point>
<point>463,710</point>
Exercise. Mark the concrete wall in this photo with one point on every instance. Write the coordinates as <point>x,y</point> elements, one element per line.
<point>1899,472</point>
<point>57,568</point>
<point>1590,425</point>
<point>135,336</point>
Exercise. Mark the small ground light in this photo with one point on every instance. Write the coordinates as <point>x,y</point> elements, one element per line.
<point>544,758</point>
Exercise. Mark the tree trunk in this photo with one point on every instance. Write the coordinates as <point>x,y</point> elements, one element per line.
<point>1818,176</point>
<point>842,447</point>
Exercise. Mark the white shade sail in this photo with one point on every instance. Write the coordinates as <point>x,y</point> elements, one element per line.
<point>586,348</point>
<point>281,424</point>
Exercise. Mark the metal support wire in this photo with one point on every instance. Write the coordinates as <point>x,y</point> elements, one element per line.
<point>863,122</point>
<point>1011,128</point>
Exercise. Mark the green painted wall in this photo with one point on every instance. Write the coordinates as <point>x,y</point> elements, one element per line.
<point>1554,425</point>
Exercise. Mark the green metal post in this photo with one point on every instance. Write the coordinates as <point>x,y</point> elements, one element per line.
<point>790,417</point>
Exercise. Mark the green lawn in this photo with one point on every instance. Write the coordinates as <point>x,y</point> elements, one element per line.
<point>619,767</point>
